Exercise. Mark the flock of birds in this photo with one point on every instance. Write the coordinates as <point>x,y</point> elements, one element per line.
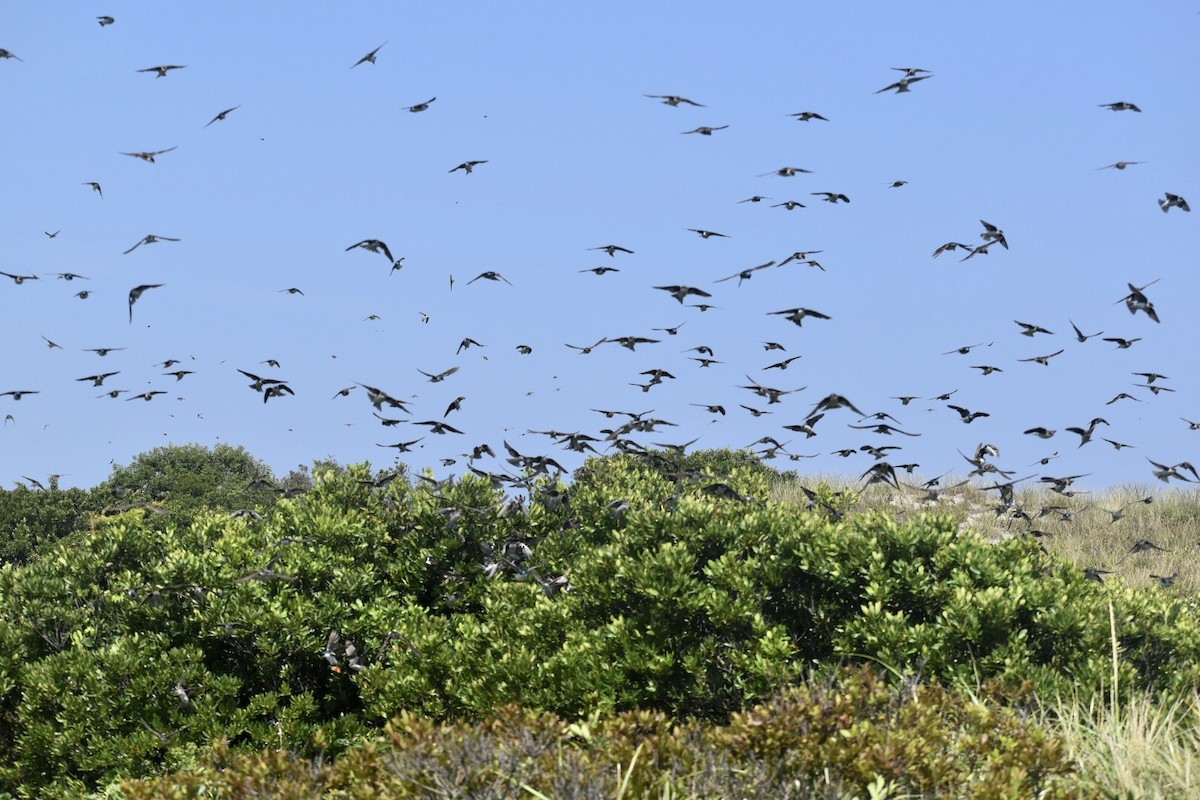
<point>625,430</point>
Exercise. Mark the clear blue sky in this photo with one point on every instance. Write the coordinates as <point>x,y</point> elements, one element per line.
<point>319,156</point>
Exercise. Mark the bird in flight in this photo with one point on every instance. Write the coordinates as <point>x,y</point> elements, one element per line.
<point>163,70</point>
<point>708,234</point>
<point>902,85</point>
<point>673,100</point>
<point>786,172</point>
<point>468,166</point>
<point>797,315</point>
<point>17,394</point>
<point>373,246</point>
<point>19,279</point>
<point>137,292</point>
<point>680,292</point>
<point>1120,106</point>
<point>600,270</point>
<point>150,155</point>
<point>441,376</point>
<point>220,117</point>
<point>368,57</point>
<point>1031,330</point>
<point>805,116</point>
<point>95,187</point>
<point>1043,360</point>
<point>150,238</point>
<point>102,351</point>
<point>704,130</point>
<point>106,20</point>
<point>745,274</point>
<point>98,380</point>
<point>1173,201</point>
<point>1081,336</point>
<point>1120,165</point>
<point>790,205</point>
<point>6,54</point>
<point>491,276</point>
<point>612,249</point>
<point>831,197</point>
<point>419,107</point>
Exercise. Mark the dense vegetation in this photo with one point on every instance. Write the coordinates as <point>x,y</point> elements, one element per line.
<point>653,627</point>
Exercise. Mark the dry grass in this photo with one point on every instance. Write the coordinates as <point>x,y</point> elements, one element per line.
<point>1080,529</point>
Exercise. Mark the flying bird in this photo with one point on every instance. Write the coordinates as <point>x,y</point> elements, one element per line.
<point>1120,165</point>
<point>1043,360</point>
<point>903,84</point>
<point>419,107</point>
<point>149,238</point>
<point>150,155</point>
<point>612,249</point>
<point>95,187</point>
<point>163,70</point>
<point>806,116</point>
<point>373,246</point>
<point>221,117</point>
<point>708,234</point>
<point>468,166</point>
<point>673,100</point>
<point>1173,201</point>
<point>680,292</point>
<point>6,54</point>
<point>786,172</point>
<point>831,197</point>
<point>136,292</point>
<point>441,376</point>
<point>705,130</point>
<point>1081,336</point>
<point>1120,106</point>
<point>369,57</point>
<point>106,20</point>
<point>491,276</point>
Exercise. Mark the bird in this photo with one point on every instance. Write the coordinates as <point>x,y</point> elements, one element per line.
<point>19,279</point>
<point>950,247</point>
<point>276,390</point>
<point>163,70</point>
<point>903,84</point>
<point>1137,301</point>
<point>797,315</point>
<point>612,249</point>
<point>419,107</point>
<point>136,292</point>
<point>967,348</point>
<point>221,117</point>
<point>52,345</point>
<point>1085,434</point>
<point>455,405</point>
<point>1122,344</point>
<point>1173,201</point>
<point>806,116</point>
<point>369,57</point>
<point>150,155</point>
<point>680,292</point>
<point>491,276</point>
<point>293,290</point>
<point>106,20</point>
<point>1120,165</point>
<point>441,376</point>
<point>782,364</point>
<point>373,246</point>
<point>832,402</point>
<point>98,380</point>
<point>1041,433</point>
<point>150,238</point>
<point>7,54</point>
<point>992,234</point>
<point>524,349</point>
<point>968,416</point>
<point>468,166</point>
<point>708,234</point>
<point>631,342</point>
<point>790,205</point>
<point>403,447</point>
<point>1043,360</point>
<point>831,197</point>
<point>600,270</point>
<point>438,427</point>
<point>786,172</point>
<point>54,235</point>
<point>1031,330</point>
<point>705,130</point>
<point>673,100</point>
<point>17,394</point>
<point>147,396</point>
<point>467,343</point>
<point>1120,106</point>
<point>1081,336</point>
<point>745,274</point>
<point>102,351</point>
<point>83,295</point>
<point>95,187</point>
<point>986,369</point>
<point>758,198</point>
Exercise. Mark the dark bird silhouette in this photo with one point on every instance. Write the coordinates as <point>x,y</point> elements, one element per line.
<point>673,100</point>
<point>797,315</point>
<point>163,70</point>
<point>419,107</point>
<point>149,155</point>
<point>468,166</point>
<point>1122,344</point>
<point>441,376</point>
<point>705,130</point>
<point>369,57</point>
<point>786,172</point>
<point>1031,330</point>
<point>806,116</point>
<point>707,234</point>
<point>612,249</point>
<point>19,279</point>
<point>902,85</point>
<point>150,238</point>
<point>95,187</point>
<point>438,427</point>
<point>491,276</point>
<point>1081,336</point>
<point>1120,165</point>
<point>136,292</point>
<point>373,246</point>
<point>17,394</point>
<point>745,274</point>
<point>832,402</point>
<point>968,416</point>
<point>1085,434</point>
<point>277,390</point>
<point>600,270</point>
<point>680,292</point>
<point>1043,360</point>
<point>831,197</point>
<point>403,447</point>
<point>106,20</point>
<point>220,117</point>
<point>98,380</point>
<point>790,205</point>
<point>1173,201</point>
<point>950,247</point>
<point>1120,106</point>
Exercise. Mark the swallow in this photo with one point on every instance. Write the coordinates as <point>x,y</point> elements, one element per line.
<point>786,172</point>
<point>745,274</point>
<point>1120,165</point>
<point>882,428</point>
<point>708,234</point>
<point>1043,360</point>
<point>1041,433</point>
<point>52,344</point>
<point>807,116</point>
<point>419,107</point>
<point>1173,201</point>
<point>98,380</point>
<point>277,390</point>
<point>106,20</point>
<point>1123,396</point>
<point>1122,344</point>
<point>102,351</point>
<point>1137,301</point>
<point>379,398</point>
<point>150,155</point>
<point>992,234</point>
<point>632,342</point>
<point>147,396</point>
<point>673,100</point>
<point>758,198</point>
<point>373,246</point>
<point>712,409</point>
<point>670,331</point>
<point>1080,335</point>
<point>612,249</point>
<point>83,295</point>
<point>17,394</point>
<point>600,270</point>
<point>1120,106</point>
<point>179,374</point>
<point>832,402</point>
<point>149,238</point>
<point>136,292</point>
<point>950,247</point>
<point>1031,330</point>
<point>293,290</point>
<point>967,348</point>
<point>19,279</point>
<point>589,348</point>
<point>369,57</point>
<point>967,416</point>
<point>403,447</point>
<point>986,369</point>
<point>831,197</point>
<point>903,84</point>
<point>6,54</point>
<point>781,365</point>
<point>491,276</point>
<point>466,344</point>
<point>797,315</point>
<point>468,166</point>
<point>805,427</point>
<point>705,130</point>
<point>1085,434</point>
<point>680,292</point>
<point>162,71</point>
<point>1153,388</point>
<point>802,255</point>
<point>790,205</point>
<point>221,117</point>
<point>1118,445</point>
<point>524,349</point>
<point>441,376</point>
<point>897,184</point>
<point>438,427</point>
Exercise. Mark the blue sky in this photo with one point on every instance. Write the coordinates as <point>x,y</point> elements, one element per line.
<point>320,155</point>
